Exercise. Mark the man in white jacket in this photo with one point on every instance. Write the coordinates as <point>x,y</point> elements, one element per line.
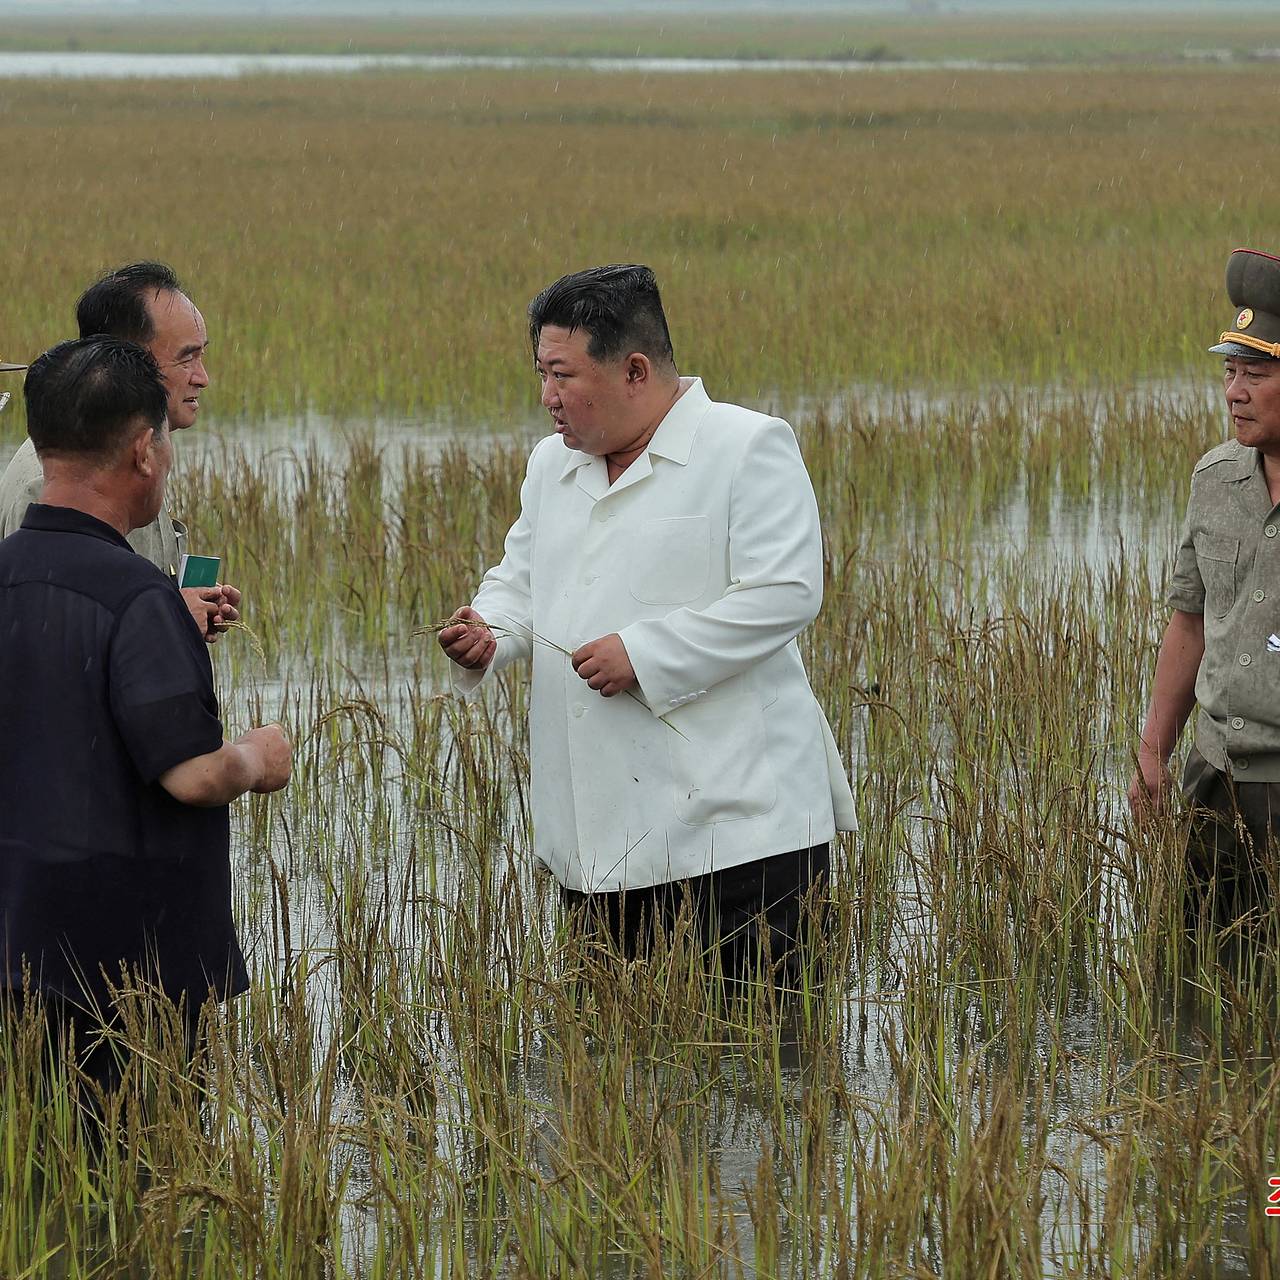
<point>667,550</point>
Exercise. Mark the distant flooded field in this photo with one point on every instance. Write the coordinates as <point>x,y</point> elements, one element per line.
<point>80,65</point>
<point>368,243</point>
<point>983,301</point>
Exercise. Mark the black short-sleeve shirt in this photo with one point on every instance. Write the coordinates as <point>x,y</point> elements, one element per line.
<point>105,684</point>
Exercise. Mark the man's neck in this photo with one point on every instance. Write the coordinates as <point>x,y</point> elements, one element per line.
<point>84,495</point>
<point>618,462</point>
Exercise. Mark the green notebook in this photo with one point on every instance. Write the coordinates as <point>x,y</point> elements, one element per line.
<point>199,571</point>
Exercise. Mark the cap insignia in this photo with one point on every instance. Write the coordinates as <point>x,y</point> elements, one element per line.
<point>1245,318</point>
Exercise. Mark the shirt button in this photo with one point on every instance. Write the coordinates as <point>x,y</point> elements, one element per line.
<point>1241,764</point>
<point>1270,531</point>
<point>1259,596</point>
<point>579,711</point>
<point>1237,722</point>
<point>1245,659</point>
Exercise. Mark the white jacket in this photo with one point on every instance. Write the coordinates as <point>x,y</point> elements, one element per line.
<point>705,556</point>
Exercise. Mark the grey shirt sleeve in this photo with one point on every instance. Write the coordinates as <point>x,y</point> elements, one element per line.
<point>20,486</point>
<point>1186,587</point>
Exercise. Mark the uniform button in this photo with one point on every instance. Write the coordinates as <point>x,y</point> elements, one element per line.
<point>590,578</point>
<point>579,711</point>
<point>1259,596</point>
<point>1245,659</point>
<point>1237,722</point>
<point>1242,764</point>
<point>1270,531</point>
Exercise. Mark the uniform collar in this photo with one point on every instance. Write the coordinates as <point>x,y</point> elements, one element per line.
<point>46,519</point>
<point>1243,463</point>
<point>672,440</point>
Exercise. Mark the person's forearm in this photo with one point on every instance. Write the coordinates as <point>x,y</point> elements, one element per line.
<point>216,778</point>
<point>1173,694</point>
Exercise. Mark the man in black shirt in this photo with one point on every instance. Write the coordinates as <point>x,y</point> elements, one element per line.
<point>114,774</point>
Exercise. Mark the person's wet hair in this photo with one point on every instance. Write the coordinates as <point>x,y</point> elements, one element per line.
<point>89,397</point>
<point>117,303</point>
<point>617,307</point>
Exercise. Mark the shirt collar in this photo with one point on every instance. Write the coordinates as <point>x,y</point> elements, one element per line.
<point>48,519</point>
<point>674,436</point>
<point>1240,464</point>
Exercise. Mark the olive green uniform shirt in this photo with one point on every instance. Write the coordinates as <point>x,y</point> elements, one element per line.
<point>1228,569</point>
<point>162,541</point>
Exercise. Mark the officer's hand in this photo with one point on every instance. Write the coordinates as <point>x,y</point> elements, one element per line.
<point>275,756</point>
<point>1150,788</point>
<point>604,665</point>
<point>468,642</point>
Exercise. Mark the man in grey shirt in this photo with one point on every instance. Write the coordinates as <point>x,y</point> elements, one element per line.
<point>143,303</point>
<point>1221,648</point>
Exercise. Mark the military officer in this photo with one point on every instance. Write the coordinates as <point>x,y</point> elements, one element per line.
<point>1221,648</point>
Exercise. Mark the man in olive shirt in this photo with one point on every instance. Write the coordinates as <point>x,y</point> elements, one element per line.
<point>144,303</point>
<point>1222,645</point>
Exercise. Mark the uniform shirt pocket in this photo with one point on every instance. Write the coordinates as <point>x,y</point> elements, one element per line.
<point>1216,558</point>
<point>671,560</point>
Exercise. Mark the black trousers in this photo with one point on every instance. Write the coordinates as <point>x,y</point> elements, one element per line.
<point>75,1036</point>
<point>1231,845</point>
<point>767,910</point>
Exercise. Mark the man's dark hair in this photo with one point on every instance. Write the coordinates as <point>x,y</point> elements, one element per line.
<point>617,307</point>
<point>117,304</point>
<point>88,396</point>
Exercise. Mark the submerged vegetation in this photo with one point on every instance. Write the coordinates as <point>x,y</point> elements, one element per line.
<point>1012,1065</point>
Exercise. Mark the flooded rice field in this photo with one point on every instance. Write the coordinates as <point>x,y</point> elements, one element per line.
<point>1013,1062</point>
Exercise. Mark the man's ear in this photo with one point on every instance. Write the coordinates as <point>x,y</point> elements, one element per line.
<point>639,371</point>
<point>142,452</point>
